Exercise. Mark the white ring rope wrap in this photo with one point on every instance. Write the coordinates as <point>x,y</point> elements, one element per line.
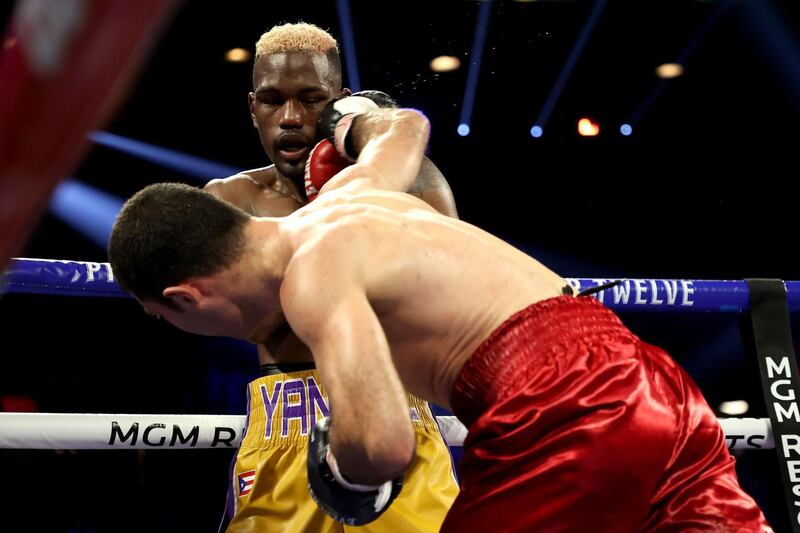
<point>68,431</point>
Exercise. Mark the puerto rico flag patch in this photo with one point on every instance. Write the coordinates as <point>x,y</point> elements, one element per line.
<point>246,480</point>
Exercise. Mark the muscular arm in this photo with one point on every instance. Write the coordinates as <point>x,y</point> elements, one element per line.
<point>371,432</point>
<point>390,144</point>
<point>432,188</point>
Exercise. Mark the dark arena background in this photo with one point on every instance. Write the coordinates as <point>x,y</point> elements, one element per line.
<point>693,176</point>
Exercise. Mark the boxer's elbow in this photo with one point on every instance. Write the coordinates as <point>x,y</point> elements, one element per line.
<point>389,456</point>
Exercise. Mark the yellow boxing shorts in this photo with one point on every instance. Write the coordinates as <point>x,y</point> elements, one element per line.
<point>269,479</point>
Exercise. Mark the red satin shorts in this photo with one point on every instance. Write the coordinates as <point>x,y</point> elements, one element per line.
<point>577,425</point>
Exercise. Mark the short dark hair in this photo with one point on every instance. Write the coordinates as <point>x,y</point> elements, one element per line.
<point>169,232</point>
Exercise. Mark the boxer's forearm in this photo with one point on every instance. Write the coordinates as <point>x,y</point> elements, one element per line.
<point>391,142</point>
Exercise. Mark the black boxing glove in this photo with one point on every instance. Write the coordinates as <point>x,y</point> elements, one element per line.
<point>379,97</point>
<point>336,119</point>
<point>347,502</point>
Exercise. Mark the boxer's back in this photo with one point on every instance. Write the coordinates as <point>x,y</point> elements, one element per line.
<point>435,302</point>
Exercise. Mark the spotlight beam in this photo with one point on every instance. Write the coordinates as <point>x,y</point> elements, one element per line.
<point>89,211</point>
<point>193,166</point>
<point>572,60</point>
<point>476,57</point>
<point>774,39</point>
<point>349,44</point>
<point>647,103</point>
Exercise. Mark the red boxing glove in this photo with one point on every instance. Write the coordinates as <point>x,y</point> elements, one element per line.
<point>322,164</point>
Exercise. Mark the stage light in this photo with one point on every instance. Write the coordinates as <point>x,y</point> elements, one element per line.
<point>587,128</point>
<point>734,408</point>
<point>669,70</point>
<point>237,55</point>
<point>445,63</point>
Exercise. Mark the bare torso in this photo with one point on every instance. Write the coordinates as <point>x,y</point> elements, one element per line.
<point>439,286</point>
<point>263,192</point>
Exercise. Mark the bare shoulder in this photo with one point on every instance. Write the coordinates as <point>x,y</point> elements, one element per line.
<point>234,186</point>
<point>251,192</point>
<point>320,269</point>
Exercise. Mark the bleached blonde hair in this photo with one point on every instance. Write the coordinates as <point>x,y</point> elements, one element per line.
<point>297,37</point>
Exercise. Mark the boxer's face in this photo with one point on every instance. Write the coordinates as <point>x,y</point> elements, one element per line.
<point>290,89</point>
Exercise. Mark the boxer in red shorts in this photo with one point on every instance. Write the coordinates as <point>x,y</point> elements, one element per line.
<point>574,423</point>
